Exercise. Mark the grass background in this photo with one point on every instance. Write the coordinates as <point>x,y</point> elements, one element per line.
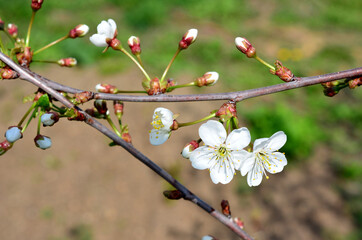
<point>309,37</point>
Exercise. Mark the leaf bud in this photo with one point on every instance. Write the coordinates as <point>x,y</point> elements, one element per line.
<point>225,207</point>
<point>282,72</point>
<point>227,111</point>
<point>355,82</point>
<point>8,73</point>
<point>25,57</point>
<point>173,194</point>
<point>80,98</point>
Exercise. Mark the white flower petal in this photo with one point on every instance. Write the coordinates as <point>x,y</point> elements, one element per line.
<point>98,40</point>
<point>201,158</point>
<point>212,133</point>
<point>158,137</point>
<point>223,171</point>
<point>277,162</point>
<point>103,28</point>
<point>239,157</point>
<point>260,143</point>
<point>166,116</point>
<point>113,27</point>
<point>255,176</point>
<point>238,139</point>
<point>277,141</point>
<point>247,165</point>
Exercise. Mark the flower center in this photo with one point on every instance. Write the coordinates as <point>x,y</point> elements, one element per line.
<point>263,160</point>
<point>157,122</point>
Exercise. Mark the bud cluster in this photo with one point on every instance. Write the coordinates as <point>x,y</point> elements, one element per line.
<point>282,72</point>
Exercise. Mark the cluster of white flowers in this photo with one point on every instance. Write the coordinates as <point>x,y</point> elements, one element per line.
<point>223,154</point>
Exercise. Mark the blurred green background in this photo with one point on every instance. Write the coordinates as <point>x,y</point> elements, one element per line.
<point>310,37</point>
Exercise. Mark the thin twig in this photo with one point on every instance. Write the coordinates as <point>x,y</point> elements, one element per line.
<point>188,195</point>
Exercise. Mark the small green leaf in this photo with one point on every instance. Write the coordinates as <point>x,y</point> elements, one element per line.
<point>43,102</point>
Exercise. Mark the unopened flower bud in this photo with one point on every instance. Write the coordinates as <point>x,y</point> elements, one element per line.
<point>245,47</point>
<point>191,146</point>
<point>8,73</point>
<point>5,146</point>
<point>225,207</point>
<point>282,72</point>
<point>25,58</point>
<point>238,222</point>
<point>208,79</point>
<point>355,82</point>
<point>173,194</point>
<point>79,31</point>
<point>331,92</point>
<point>13,134</point>
<point>135,45</point>
<point>127,137</point>
<point>49,119</point>
<point>2,24</point>
<point>80,98</point>
<point>67,62</point>
<point>12,29</point>
<point>42,142</point>
<point>36,4</point>
<point>114,43</point>
<point>188,38</point>
<point>118,108</point>
<point>106,88</point>
<point>101,106</point>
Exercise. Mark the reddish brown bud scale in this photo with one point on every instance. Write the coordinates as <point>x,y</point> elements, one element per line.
<point>106,88</point>
<point>127,137</point>
<point>173,194</point>
<point>79,31</point>
<point>282,72</point>
<point>83,97</point>
<point>36,4</point>
<point>155,87</point>
<point>101,106</point>
<point>135,45</point>
<point>188,38</point>
<point>8,73</point>
<point>238,222</point>
<point>114,43</point>
<point>245,47</point>
<point>225,206</point>
<point>78,116</point>
<point>67,62</point>
<point>12,29</point>
<point>118,107</point>
<point>227,111</point>
<point>4,147</point>
<point>355,83</point>
<point>25,58</point>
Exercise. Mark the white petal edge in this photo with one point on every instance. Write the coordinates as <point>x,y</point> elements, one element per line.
<point>212,133</point>
<point>239,158</point>
<point>238,139</point>
<point>277,163</point>
<point>260,144</point>
<point>254,177</point>
<point>201,158</point>
<point>277,141</point>
<point>158,137</point>
<point>98,40</point>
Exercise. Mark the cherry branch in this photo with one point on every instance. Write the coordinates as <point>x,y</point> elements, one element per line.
<point>38,81</point>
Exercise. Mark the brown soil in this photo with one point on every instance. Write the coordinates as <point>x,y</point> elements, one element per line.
<point>81,181</point>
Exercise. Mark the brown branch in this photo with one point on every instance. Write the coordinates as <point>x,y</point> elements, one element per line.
<point>27,75</point>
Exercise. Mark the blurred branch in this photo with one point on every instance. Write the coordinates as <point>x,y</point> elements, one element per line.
<point>35,79</point>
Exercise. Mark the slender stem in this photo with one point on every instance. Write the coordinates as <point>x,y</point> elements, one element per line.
<point>51,44</point>
<point>169,64</point>
<point>39,121</point>
<point>28,122</point>
<point>2,45</point>
<point>29,29</point>
<point>26,114</point>
<point>169,89</point>
<point>109,120</point>
<point>45,61</point>
<point>197,121</point>
<point>138,56</point>
<point>265,63</point>
<point>135,61</point>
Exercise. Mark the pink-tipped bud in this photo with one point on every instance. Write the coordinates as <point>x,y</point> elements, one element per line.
<point>36,4</point>
<point>118,107</point>
<point>5,146</point>
<point>67,62</point>
<point>188,38</point>
<point>8,73</point>
<point>2,24</point>
<point>282,72</point>
<point>106,88</point>
<point>135,45</point>
<point>12,29</point>
<point>208,79</point>
<point>189,148</point>
<point>79,31</point>
<point>245,47</point>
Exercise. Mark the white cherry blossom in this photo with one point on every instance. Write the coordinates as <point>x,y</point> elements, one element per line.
<point>162,122</point>
<point>105,31</point>
<point>221,154</point>
<point>265,156</point>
